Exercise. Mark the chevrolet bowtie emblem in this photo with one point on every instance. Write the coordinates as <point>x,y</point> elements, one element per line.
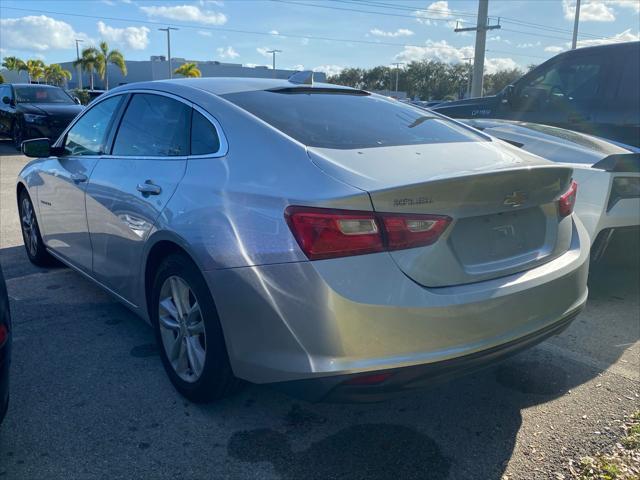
<point>515,199</point>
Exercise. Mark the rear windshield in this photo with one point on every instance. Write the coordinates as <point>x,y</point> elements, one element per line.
<point>41,95</point>
<point>345,121</point>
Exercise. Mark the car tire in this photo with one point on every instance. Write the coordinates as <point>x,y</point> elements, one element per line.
<point>188,332</point>
<point>16,135</point>
<point>33,244</point>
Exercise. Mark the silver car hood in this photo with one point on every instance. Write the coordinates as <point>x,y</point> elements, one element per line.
<point>388,167</point>
<point>553,143</point>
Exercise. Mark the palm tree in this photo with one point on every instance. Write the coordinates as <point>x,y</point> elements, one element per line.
<point>88,62</point>
<point>55,74</point>
<point>104,57</point>
<point>188,70</point>
<point>35,69</point>
<point>14,64</point>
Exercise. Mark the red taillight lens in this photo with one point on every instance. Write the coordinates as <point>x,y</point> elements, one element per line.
<point>568,200</point>
<point>409,231</point>
<point>326,233</point>
<point>4,333</point>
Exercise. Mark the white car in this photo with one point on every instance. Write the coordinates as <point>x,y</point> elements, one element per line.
<point>608,173</point>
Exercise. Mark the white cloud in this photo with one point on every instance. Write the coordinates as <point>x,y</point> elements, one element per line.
<point>401,32</point>
<point>205,33</point>
<point>437,10</point>
<point>227,52</point>
<point>632,4</point>
<point>274,32</point>
<point>297,68</point>
<point>264,51</point>
<point>447,53</point>
<point>136,38</point>
<point>329,70</point>
<point>554,49</point>
<point>529,45</point>
<point>188,13</point>
<point>254,65</point>
<point>111,3</point>
<point>304,41</point>
<point>626,36</point>
<point>592,11</point>
<point>38,33</point>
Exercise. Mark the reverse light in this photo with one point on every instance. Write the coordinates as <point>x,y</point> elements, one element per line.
<point>568,200</point>
<point>330,233</point>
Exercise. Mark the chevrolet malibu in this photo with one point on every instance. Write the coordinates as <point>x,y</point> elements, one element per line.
<point>334,243</point>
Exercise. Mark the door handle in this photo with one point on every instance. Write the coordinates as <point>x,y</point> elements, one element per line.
<point>79,177</point>
<point>149,188</point>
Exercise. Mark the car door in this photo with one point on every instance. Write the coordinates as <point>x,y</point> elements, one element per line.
<point>564,93</point>
<point>61,194</point>
<point>6,110</point>
<point>129,188</point>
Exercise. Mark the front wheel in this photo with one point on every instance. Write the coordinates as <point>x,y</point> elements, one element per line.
<point>33,244</point>
<point>188,332</point>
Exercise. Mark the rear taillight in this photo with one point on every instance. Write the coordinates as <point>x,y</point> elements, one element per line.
<point>568,200</point>
<point>329,233</point>
<point>4,334</point>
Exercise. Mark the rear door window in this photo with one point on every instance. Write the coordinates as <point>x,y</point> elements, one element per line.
<point>204,137</point>
<point>88,135</point>
<point>348,119</point>
<point>153,126</point>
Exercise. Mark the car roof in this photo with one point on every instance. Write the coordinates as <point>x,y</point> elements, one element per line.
<point>597,48</point>
<point>224,85</point>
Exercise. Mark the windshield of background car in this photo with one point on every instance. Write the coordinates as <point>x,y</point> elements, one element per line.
<point>41,95</point>
<point>348,120</point>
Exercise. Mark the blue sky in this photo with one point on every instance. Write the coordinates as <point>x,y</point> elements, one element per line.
<point>368,32</point>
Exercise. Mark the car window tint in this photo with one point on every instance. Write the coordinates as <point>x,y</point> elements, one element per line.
<point>629,90</point>
<point>574,79</point>
<point>204,137</point>
<point>155,126</point>
<point>349,120</point>
<point>88,135</point>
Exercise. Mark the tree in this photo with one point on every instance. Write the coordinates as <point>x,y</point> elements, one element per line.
<point>56,75</point>
<point>495,82</point>
<point>88,62</point>
<point>1,79</point>
<point>35,69</point>
<point>188,70</point>
<point>104,57</point>
<point>14,64</point>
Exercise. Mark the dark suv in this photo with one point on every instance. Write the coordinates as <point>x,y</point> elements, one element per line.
<point>593,90</point>
<point>35,111</point>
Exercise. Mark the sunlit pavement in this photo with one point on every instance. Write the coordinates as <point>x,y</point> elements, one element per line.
<point>90,399</point>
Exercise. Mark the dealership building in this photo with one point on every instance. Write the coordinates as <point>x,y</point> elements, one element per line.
<point>157,68</point>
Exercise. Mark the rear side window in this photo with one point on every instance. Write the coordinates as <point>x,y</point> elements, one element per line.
<point>204,137</point>
<point>153,126</point>
<point>346,121</point>
<point>88,135</point>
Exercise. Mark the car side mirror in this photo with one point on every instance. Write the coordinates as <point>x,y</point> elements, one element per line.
<point>508,93</point>
<point>77,100</point>
<point>37,148</point>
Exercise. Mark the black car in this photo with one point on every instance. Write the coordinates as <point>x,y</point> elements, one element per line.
<point>592,90</point>
<point>5,347</point>
<point>35,111</point>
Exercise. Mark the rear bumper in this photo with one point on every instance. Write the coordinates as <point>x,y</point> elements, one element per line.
<point>331,318</point>
<point>402,380</point>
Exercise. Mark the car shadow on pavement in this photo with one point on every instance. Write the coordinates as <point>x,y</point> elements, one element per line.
<point>92,398</point>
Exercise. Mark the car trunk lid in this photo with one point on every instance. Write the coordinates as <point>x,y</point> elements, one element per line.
<point>503,203</point>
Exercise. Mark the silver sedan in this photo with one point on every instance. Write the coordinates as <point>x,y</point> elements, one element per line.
<point>331,242</point>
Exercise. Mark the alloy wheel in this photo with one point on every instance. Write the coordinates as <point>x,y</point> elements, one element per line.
<point>29,227</point>
<point>182,329</point>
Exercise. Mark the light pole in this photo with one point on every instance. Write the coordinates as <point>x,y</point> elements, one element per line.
<point>78,67</point>
<point>397,64</point>
<point>168,30</point>
<point>273,53</point>
<point>576,21</point>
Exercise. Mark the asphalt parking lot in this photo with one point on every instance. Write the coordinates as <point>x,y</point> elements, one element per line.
<point>90,399</point>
